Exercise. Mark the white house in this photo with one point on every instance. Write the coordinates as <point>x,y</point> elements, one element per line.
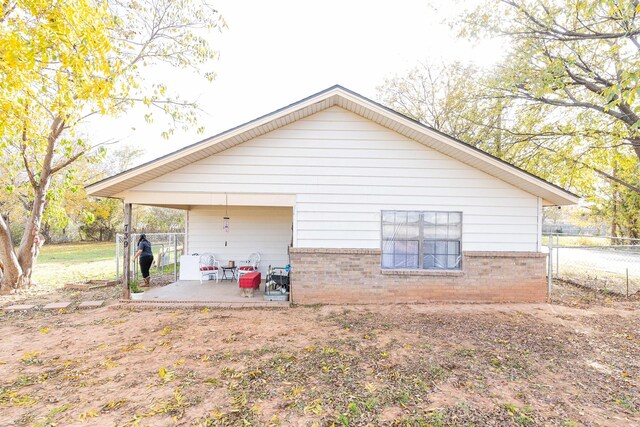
<point>366,205</point>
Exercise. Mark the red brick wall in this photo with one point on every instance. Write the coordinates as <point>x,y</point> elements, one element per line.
<point>355,276</point>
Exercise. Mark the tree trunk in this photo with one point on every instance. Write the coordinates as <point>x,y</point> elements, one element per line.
<point>614,210</point>
<point>45,230</point>
<point>12,274</point>
<point>499,152</point>
<point>636,145</point>
<point>31,241</point>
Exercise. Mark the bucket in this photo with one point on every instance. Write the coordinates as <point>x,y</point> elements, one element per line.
<point>137,295</point>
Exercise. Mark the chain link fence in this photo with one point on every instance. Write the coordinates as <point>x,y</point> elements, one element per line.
<point>608,264</point>
<point>166,247</point>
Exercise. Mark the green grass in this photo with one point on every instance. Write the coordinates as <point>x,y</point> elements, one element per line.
<point>77,253</point>
<point>65,263</point>
<point>70,262</point>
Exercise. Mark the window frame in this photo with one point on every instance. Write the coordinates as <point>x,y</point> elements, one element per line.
<point>421,240</point>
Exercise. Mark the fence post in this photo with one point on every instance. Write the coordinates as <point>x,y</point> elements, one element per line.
<point>557,256</point>
<point>175,257</point>
<point>117,258</point>
<point>550,268</point>
<point>133,250</point>
<point>126,259</point>
<point>160,261</point>
<point>627,282</point>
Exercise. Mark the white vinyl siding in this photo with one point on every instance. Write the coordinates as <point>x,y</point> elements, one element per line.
<point>344,170</point>
<point>266,230</point>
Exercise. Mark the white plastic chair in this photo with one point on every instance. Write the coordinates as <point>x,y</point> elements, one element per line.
<point>209,267</point>
<point>250,265</point>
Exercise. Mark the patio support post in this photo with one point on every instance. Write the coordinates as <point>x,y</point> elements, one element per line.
<point>550,268</point>
<point>126,270</point>
<point>175,257</point>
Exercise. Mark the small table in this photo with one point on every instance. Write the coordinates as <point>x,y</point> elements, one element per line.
<point>224,273</point>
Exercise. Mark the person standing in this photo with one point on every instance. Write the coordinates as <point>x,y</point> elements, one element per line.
<point>146,258</point>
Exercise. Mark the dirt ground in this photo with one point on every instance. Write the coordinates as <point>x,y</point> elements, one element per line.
<point>573,362</point>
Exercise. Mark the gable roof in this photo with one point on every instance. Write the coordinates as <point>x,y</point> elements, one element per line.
<point>351,101</point>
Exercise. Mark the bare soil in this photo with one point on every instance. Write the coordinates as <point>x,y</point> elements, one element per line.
<point>573,362</point>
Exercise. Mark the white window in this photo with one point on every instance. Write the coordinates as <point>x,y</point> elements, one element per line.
<point>421,240</point>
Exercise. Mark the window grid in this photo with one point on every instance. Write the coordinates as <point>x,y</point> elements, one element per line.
<point>438,236</point>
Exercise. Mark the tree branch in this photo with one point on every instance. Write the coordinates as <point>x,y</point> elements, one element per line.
<point>564,34</point>
<point>67,162</point>
<point>23,151</point>
<point>559,103</point>
<point>56,130</point>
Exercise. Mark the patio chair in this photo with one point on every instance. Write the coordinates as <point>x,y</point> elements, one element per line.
<point>250,265</point>
<point>209,267</point>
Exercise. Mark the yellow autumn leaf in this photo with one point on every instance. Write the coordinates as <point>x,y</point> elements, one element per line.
<point>166,375</point>
<point>370,387</point>
<point>88,414</point>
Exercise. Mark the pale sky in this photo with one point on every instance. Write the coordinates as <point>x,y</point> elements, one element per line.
<point>274,53</point>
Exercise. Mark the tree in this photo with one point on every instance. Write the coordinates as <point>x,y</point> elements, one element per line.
<point>456,99</point>
<point>578,58</point>
<point>99,218</point>
<point>448,97</point>
<point>158,220</point>
<point>63,61</point>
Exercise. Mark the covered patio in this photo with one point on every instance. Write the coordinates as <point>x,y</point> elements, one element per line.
<point>229,227</point>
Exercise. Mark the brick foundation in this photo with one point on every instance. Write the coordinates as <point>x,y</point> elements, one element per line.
<point>354,276</point>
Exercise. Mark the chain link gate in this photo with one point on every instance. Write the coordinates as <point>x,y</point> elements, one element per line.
<point>603,263</point>
<point>166,247</point>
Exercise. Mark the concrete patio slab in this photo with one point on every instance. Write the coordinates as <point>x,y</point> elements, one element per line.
<point>57,305</point>
<point>90,304</point>
<point>193,294</point>
<point>207,292</point>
